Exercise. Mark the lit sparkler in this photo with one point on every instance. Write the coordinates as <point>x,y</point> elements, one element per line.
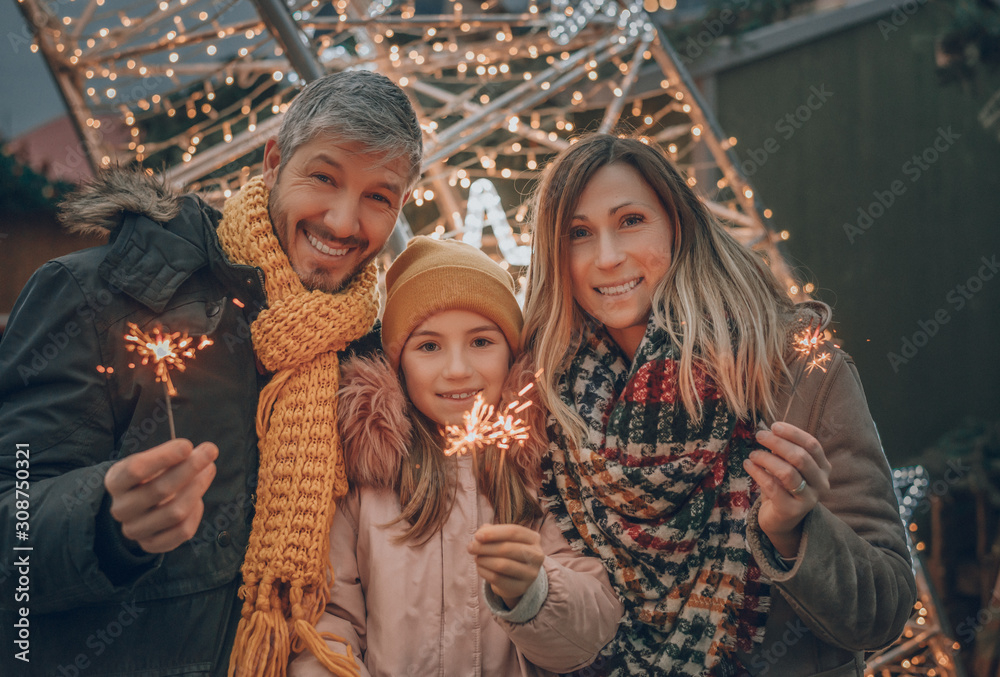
<point>805,343</point>
<point>483,425</point>
<point>166,351</point>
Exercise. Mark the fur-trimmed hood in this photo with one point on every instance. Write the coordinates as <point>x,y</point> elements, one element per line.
<point>375,426</point>
<point>97,206</point>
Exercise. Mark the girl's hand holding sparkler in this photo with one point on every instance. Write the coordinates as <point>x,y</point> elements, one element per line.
<point>156,494</point>
<point>791,478</point>
<point>508,557</point>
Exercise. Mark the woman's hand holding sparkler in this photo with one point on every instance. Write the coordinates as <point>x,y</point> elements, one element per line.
<point>156,494</point>
<point>791,479</point>
<point>508,557</point>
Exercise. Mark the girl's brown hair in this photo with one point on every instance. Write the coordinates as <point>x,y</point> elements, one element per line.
<point>718,301</point>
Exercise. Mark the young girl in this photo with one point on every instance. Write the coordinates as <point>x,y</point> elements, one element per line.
<point>439,571</point>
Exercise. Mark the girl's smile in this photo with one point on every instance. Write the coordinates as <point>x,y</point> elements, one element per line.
<point>449,359</point>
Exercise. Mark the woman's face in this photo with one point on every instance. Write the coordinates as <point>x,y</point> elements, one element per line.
<point>619,243</point>
<point>450,358</point>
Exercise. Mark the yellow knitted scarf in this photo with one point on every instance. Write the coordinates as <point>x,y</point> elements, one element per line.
<point>286,573</point>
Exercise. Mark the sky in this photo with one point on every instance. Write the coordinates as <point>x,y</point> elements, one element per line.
<point>36,98</point>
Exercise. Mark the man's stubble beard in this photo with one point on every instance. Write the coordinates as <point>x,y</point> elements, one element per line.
<point>318,281</point>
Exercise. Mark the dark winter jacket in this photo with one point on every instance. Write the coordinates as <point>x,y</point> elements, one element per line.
<point>94,604</point>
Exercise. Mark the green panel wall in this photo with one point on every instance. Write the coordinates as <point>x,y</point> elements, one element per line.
<point>884,106</point>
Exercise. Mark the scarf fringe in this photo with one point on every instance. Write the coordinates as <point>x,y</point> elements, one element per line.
<point>305,636</point>
<point>262,645</point>
<point>265,641</point>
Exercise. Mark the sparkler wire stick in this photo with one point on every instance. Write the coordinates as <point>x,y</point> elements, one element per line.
<point>170,414</point>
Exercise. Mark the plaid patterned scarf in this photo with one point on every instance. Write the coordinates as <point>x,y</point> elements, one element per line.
<point>662,500</point>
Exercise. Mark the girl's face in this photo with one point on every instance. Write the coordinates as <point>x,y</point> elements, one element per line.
<point>450,358</point>
<point>619,242</point>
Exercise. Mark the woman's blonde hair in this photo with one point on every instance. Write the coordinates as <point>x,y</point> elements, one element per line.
<point>718,301</point>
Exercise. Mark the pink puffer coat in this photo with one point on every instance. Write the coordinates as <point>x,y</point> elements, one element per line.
<point>420,609</point>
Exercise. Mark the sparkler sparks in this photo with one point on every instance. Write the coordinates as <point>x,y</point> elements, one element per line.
<point>166,351</point>
<point>806,342</point>
<point>818,362</point>
<point>471,435</point>
<point>483,425</point>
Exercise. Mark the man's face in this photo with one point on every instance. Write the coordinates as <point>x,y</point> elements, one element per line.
<point>333,206</point>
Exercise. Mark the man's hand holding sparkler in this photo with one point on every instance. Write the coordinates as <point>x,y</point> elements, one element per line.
<point>791,478</point>
<point>508,557</point>
<point>156,494</point>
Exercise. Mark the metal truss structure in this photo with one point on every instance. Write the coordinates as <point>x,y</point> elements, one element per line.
<point>499,85</point>
<point>925,647</point>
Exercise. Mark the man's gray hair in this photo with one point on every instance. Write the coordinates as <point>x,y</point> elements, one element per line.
<point>359,106</point>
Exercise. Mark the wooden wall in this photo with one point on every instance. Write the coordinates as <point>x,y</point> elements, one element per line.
<point>26,242</point>
<point>911,278</point>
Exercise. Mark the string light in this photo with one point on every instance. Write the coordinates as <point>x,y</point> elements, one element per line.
<point>188,50</point>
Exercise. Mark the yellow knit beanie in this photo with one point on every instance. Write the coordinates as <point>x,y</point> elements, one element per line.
<point>434,275</point>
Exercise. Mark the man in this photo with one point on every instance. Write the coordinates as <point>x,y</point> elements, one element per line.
<point>136,540</point>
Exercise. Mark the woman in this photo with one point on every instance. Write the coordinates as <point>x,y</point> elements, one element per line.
<point>742,538</point>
